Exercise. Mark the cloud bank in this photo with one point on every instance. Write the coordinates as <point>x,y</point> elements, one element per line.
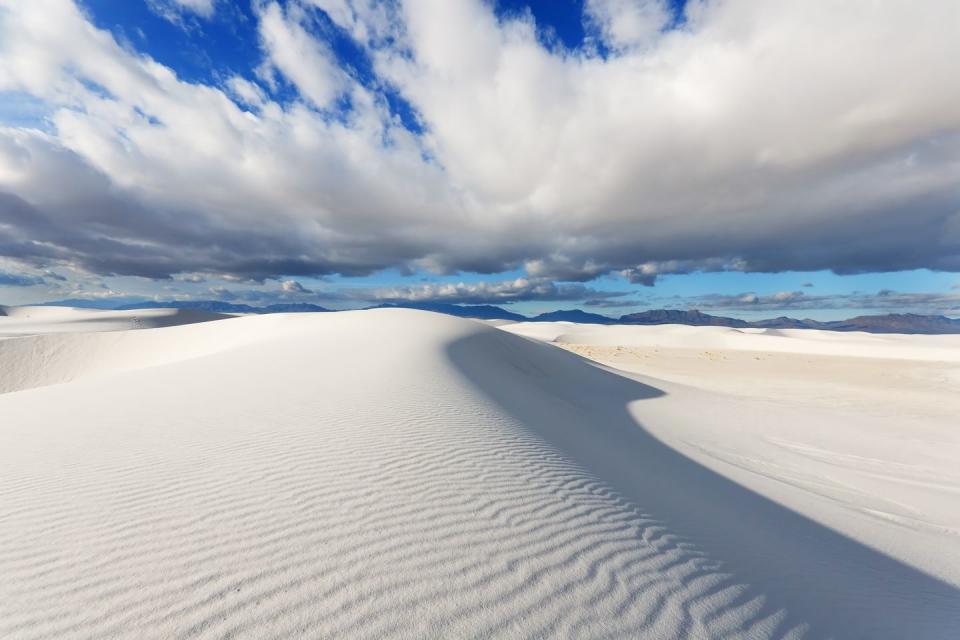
<point>796,302</point>
<point>519,289</point>
<point>749,136</point>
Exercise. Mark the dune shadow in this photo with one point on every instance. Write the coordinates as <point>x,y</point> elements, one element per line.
<point>822,582</point>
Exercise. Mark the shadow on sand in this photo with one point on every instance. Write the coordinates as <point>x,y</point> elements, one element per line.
<point>825,583</point>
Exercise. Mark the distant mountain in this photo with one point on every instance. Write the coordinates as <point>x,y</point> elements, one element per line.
<point>292,307</point>
<point>783,322</point>
<point>84,303</point>
<point>676,316</point>
<point>481,311</point>
<point>888,323</point>
<point>573,315</point>
<point>218,306</point>
<point>897,323</point>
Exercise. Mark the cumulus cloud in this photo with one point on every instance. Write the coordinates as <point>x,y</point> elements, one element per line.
<point>292,286</point>
<point>647,273</point>
<point>627,23</point>
<point>519,289</point>
<point>751,300</point>
<point>730,143</point>
<point>301,58</point>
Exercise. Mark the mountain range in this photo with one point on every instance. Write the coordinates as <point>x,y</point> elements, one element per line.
<point>885,323</point>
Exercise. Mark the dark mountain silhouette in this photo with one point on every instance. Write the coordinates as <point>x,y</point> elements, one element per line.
<point>573,315</point>
<point>883,323</point>
<point>896,323</point>
<point>481,311</point>
<point>226,307</point>
<point>675,316</point>
<point>783,322</point>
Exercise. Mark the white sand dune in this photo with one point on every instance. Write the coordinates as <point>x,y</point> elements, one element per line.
<point>807,341</point>
<point>396,473</point>
<point>20,321</point>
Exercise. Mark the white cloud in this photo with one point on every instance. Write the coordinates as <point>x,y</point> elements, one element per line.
<point>179,12</point>
<point>202,7</point>
<point>292,286</point>
<point>787,296</point>
<point>627,23</point>
<point>733,143</point>
<point>303,59</point>
<point>364,20</point>
<point>246,92</point>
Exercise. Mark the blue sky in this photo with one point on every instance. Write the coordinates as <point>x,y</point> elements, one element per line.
<point>611,155</point>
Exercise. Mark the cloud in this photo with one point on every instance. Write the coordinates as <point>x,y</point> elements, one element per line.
<point>271,293</point>
<point>627,23</point>
<point>787,297</point>
<point>301,58</point>
<point>292,286</point>
<point>727,144</point>
<point>181,12</point>
<point>18,280</point>
<point>222,293</point>
<point>647,273</point>
<point>202,7</point>
<point>602,303</point>
<point>520,289</point>
<point>884,300</point>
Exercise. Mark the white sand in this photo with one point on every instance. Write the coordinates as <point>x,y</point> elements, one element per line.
<point>21,321</point>
<point>406,474</point>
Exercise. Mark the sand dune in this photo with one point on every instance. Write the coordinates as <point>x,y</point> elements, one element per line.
<point>20,321</point>
<point>40,346</point>
<point>396,473</point>
<point>807,341</point>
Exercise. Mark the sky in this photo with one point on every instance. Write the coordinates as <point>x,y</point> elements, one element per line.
<point>744,158</point>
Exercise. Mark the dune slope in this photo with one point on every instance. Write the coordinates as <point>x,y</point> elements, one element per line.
<point>401,473</point>
<point>34,320</point>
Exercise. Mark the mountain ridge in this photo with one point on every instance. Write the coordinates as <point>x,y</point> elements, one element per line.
<point>911,323</point>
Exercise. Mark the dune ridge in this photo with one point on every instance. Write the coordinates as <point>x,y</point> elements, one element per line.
<point>41,359</point>
<point>808,341</point>
<point>38,320</point>
<point>401,473</point>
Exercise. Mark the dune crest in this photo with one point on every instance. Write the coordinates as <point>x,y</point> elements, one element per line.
<point>35,320</point>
